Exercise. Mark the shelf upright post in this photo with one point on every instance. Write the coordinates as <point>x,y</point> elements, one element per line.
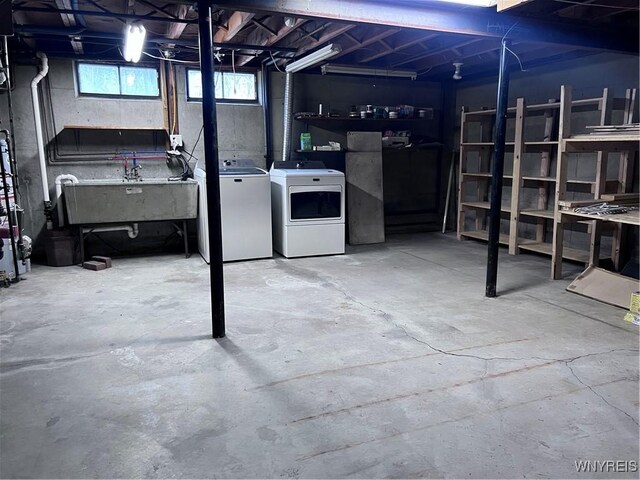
<point>516,184</point>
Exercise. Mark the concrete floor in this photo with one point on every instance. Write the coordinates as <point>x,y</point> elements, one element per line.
<point>384,362</point>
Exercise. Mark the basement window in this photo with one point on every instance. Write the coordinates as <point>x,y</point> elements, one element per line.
<point>117,80</point>
<point>233,87</point>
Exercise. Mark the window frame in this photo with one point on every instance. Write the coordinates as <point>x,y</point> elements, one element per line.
<point>236,101</point>
<point>120,95</point>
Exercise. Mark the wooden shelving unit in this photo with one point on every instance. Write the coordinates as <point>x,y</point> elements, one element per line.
<point>552,143</point>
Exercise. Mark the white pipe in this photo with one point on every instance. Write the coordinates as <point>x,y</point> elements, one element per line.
<point>60,179</point>
<point>132,230</point>
<point>37,117</point>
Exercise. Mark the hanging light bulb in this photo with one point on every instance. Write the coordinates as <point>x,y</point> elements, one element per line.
<point>457,75</point>
<point>134,36</point>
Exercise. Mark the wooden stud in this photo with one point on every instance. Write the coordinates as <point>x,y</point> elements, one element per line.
<point>461,168</point>
<point>482,190</point>
<point>564,131</point>
<point>516,183</point>
<point>545,165</point>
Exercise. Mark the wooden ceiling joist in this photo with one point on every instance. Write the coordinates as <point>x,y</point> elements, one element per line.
<point>236,22</point>
<point>259,37</point>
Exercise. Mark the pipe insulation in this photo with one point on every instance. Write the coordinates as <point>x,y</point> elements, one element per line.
<point>37,117</point>
<point>288,104</point>
<point>60,180</point>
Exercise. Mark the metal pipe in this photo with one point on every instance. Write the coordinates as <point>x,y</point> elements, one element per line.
<point>96,13</point>
<point>288,103</point>
<point>266,108</point>
<point>497,170</point>
<point>209,122</point>
<point>60,179</point>
<point>5,187</point>
<point>37,117</point>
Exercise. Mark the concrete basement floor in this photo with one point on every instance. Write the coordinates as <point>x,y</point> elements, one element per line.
<point>384,362</point>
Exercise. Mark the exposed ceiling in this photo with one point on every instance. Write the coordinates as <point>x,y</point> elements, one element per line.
<point>267,30</point>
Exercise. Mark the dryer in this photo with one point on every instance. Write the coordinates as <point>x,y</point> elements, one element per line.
<point>308,209</point>
<point>245,203</point>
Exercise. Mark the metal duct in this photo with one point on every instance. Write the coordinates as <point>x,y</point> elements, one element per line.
<point>288,103</point>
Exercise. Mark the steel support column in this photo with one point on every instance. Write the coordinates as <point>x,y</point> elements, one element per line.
<point>497,170</point>
<point>210,138</point>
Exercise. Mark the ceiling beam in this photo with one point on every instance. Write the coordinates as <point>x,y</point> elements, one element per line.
<point>441,44</point>
<point>366,42</point>
<point>418,15</point>
<point>258,37</point>
<point>236,22</point>
<point>95,13</point>
<point>329,34</point>
<point>69,20</point>
<point>402,42</point>
<point>174,30</point>
<point>459,53</point>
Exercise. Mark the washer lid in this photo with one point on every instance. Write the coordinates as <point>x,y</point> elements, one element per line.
<point>239,171</point>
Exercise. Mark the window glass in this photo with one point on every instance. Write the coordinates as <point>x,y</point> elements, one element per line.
<point>228,86</point>
<point>142,82</point>
<point>194,83</point>
<point>99,79</point>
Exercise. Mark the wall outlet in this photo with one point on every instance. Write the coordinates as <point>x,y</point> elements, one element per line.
<point>176,141</point>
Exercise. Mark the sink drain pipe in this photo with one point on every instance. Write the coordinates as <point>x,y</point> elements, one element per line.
<point>37,117</point>
<point>60,179</point>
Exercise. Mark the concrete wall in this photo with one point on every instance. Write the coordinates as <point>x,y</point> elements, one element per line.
<point>241,135</point>
<point>588,76</point>
<point>241,131</point>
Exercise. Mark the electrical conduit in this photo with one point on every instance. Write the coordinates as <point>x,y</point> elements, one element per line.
<point>37,116</point>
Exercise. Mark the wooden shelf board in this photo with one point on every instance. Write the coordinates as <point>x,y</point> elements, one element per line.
<point>546,249</point>
<point>538,213</point>
<point>539,179</point>
<point>608,143</point>
<point>484,235</point>
<point>484,206</point>
<point>481,145</point>
<point>485,175</point>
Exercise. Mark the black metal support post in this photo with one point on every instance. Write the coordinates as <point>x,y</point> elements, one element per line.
<point>213,171</point>
<point>497,170</point>
<point>266,107</point>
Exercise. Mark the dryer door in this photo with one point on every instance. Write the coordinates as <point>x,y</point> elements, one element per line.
<point>310,204</point>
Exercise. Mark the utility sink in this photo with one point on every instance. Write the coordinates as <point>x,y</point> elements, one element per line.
<point>117,201</point>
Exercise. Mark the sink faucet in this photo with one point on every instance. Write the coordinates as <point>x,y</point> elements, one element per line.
<point>133,173</point>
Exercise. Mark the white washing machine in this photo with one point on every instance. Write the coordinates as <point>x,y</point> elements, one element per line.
<point>308,209</point>
<point>245,204</point>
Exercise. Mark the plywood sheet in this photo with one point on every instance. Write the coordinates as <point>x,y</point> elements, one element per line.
<point>605,286</point>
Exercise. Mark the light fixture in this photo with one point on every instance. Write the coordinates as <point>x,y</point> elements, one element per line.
<point>289,21</point>
<point>134,36</point>
<point>318,56</point>
<point>473,3</point>
<point>457,75</point>
<point>375,72</point>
